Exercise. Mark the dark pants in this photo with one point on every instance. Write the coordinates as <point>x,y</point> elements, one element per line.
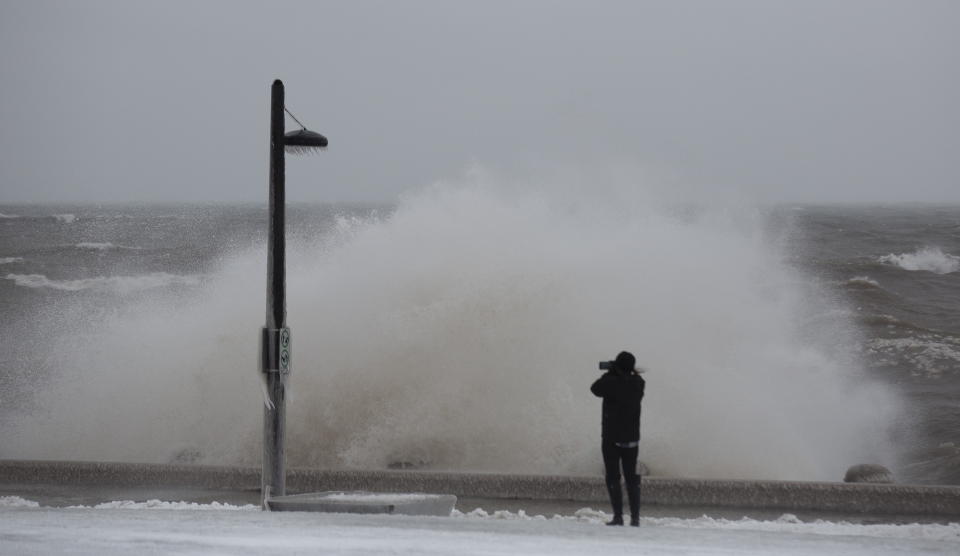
<point>613,458</point>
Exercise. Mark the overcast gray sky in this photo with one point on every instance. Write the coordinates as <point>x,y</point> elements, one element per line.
<point>852,100</point>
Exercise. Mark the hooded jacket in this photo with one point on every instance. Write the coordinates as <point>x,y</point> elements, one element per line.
<point>621,393</point>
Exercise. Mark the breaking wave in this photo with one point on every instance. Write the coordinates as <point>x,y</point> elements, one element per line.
<point>930,259</point>
<point>118,284</point>
<point>462,331</point>
<point>10,260</point>
<point>65,218</point>
<point>2,216</point>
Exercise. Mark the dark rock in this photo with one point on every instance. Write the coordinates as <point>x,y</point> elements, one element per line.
<point>868,473</point>
<point>187,456</point>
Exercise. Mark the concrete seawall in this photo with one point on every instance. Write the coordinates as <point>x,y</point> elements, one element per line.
<point>773,495</point>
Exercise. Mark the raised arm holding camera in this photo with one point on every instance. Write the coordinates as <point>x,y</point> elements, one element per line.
<point>621,388</point>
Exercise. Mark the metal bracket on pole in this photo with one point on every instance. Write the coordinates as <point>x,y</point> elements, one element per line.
<point>275,350</point>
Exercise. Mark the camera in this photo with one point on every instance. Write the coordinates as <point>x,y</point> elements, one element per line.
<point>606,365</point>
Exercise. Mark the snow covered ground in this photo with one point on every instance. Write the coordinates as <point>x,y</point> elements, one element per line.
<point>156,527</point>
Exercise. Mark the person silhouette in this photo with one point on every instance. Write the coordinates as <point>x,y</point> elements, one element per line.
<point>621,388</point>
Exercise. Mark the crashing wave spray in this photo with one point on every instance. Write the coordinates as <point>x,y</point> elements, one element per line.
<point>462,332</point>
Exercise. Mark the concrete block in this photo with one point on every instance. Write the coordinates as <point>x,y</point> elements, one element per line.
<point>362,502</point>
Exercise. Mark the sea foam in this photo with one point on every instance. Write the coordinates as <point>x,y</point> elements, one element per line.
<point>931,259</point>
<point>929,354</point>
<point>118,284</point>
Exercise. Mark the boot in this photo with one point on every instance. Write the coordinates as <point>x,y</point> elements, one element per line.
<point>617,520</point>
<point>616,500</point>
<point>633,495</point>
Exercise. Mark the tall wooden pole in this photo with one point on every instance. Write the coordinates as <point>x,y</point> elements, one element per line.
<point>275,337</point>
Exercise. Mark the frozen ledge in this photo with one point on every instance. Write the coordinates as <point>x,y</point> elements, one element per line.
<point>780,495</point>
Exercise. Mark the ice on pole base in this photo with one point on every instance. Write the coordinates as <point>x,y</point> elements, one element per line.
<point>362,502</point>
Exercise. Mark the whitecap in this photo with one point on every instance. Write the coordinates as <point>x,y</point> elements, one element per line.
<point>863,281</point>
<point>65,218</point>
<point>102,246</point>
<point>119,284</point>
<point>9,260</point>
<point>94,245</point>
<point>931,259</point>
